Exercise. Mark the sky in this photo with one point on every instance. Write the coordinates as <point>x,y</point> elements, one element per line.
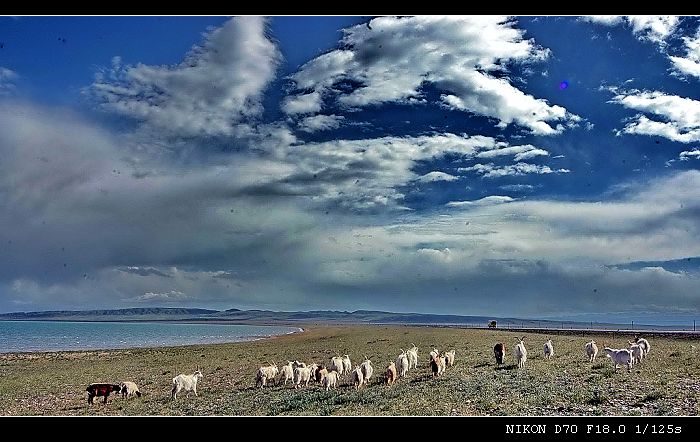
<point>514,166</point>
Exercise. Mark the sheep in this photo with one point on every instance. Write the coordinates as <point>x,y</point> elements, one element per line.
<point>434,353</point>
<point>402,364</point>
<point>302,374</point>
<point>101,389</point>
<point>287,372</point>
<point>188,383</point>
<point>264,374</point>
<point>390,374</point>
<point>357,377</point>
<point>412,354</point>
<point>330,379</point>
<point>521,353</point>
<point>347,365</point>
<point>367,369</point>
<point>619,357</point>
<point>644,344</point>
<point>637,353</point>
<point>499,351</point>
<point>591,351</point>
<point>337,365</point>
<point>130,389</point>
<point>321,372</point>
<point>548,349</point>
<point>312,369</point>
<point>437,365</point>
<point>443,364</point>
<point>450,357</point>
<point>297,364</point>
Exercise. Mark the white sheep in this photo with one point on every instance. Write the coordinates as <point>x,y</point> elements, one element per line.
<point>443,364</point>
<point>330,379</point>
<point>347,365</point>
<point>357,377</point>
<point>130,389</point>
<point>644,344</point>
<point>367,369</point>
<point>548,349</point>
<point>336,365</point>
<point>402,364</point>
<point>521,353</point>
<point>637,353</point>
<point>287,372</point>
<point>412,354</point>
<point>450,357</point>
<point>434,353</point>
<point>619,357</point>
<point>591,351</point>
<point>302,374</point>
<point>266,373</point>
<point>187,382</point>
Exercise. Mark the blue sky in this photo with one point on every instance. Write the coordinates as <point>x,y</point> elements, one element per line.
<point>528,166</point>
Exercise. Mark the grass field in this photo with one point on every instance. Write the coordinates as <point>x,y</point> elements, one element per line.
<point>666,383</point>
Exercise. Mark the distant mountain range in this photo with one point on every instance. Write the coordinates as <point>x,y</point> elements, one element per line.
<point>271,317</point>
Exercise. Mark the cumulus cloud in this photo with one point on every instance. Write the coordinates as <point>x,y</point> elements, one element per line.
<point>491,170</point>
<point>654,28</point>
<point>690,64</point>
<point>7,76</point>
<point>681,116</point>
<point>519,152</point>
<point>687,154</point>
<point>171,296</point>
<point>321,122</point>
<point>465,57</point>
<point>434,176</point>
<point>218,85</point>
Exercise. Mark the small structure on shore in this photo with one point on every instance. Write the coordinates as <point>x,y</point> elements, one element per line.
<point>492,324</point>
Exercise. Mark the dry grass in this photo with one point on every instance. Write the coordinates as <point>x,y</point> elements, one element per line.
<point>667,383</point>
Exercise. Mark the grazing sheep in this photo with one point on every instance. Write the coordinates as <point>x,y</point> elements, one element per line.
<point>437,365</point>
<point>265,374</point>
<point>336,365</point>
<point>130,389</point>
<point>330,379</point>
<point>450,357</point>
<point>101,389</point>
<point>591,351</point>
<point>347,365</point>
<point>548,349</point>
<point>319,373</point>
<point>390,374</point>
<point>644,344</point>
<point>357,378</point>
<point>302,374</point>
<point>499,351</point>
<point>402,364</point>
<point>619,357</point>
<point>287,372</point>
<point>188,382</point>
<point>412,354</point>
<point>521,353</point>
<point>637,353</point>
<point>367,369</point>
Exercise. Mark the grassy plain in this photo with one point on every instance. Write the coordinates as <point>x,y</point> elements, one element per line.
<point>666,383</point>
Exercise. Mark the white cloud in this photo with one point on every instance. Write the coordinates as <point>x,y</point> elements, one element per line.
<point>681,115</point>
<point>434,176</point>
<point>686,155</point>
<point>485,201</point>
<point>490,170</point>
<point>218,85</point>
<point>690,64</point>
<point>321,122</point>
<point>655,28</point>
<point>7,76</point>
<point>302,104</point>
<point>520,152</point>
<point>458,55</point>
<point>171,296</point>
<point>518,187</point>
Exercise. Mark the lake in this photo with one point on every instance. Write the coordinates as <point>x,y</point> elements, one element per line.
<point>28,336</point>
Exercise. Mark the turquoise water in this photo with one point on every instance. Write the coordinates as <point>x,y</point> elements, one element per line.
<point>25,336</point>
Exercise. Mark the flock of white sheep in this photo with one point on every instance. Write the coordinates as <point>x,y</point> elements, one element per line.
<point>330,376</point>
